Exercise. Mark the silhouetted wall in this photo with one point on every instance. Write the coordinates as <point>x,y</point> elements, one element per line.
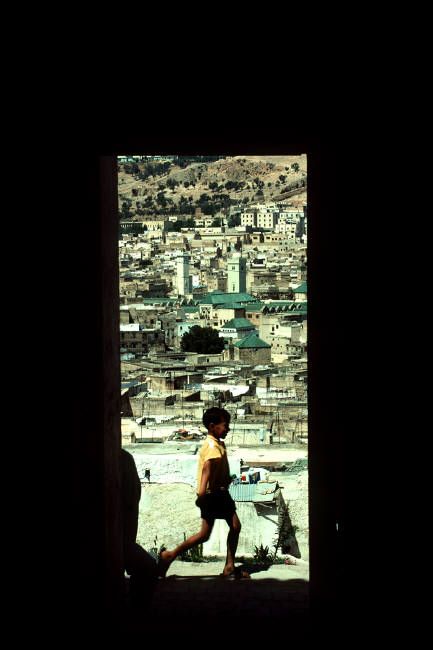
<point>90,574</point>
<point>92,570</point>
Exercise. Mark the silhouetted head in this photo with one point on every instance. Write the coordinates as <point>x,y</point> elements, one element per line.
<point>217,422</point>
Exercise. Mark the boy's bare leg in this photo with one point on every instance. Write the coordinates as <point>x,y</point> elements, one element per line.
<point>232,543</point>
<point>167,557</point>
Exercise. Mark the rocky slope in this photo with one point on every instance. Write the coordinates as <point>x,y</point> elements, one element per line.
<point>246,179</point>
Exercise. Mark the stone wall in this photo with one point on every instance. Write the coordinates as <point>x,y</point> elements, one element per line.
<point>173,468</point>
<point>259,356</point>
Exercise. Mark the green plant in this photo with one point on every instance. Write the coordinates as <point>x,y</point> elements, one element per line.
<point>262,555</point>
<point>155,551</point>
<point>194,554</point>
<point>286,532</point>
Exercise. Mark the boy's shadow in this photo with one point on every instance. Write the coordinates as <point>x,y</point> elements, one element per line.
<point>252,567</point>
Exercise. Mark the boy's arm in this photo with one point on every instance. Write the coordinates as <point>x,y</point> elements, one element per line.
<point>206,475</point>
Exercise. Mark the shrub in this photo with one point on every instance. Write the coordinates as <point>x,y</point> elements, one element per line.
<point>194,554</point>
<point>262,555</point>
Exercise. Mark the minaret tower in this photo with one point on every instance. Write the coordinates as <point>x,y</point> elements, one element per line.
<point>182,268</point>
<point>236,274</point>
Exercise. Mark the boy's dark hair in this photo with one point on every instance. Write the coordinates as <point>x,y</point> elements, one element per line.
<point>215,415</point>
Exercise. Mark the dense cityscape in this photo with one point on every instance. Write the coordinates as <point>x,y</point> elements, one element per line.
<point>213,312</point>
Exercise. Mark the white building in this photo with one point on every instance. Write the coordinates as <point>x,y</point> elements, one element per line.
<point>182,272</point>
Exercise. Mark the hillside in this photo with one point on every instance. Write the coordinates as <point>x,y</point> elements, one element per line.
<point>148,188</point>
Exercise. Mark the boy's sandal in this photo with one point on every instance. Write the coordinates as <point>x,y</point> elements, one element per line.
<point>236,574</point>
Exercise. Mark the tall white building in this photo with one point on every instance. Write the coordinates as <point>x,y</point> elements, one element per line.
<point>236,274</point>
<point>182,268</point>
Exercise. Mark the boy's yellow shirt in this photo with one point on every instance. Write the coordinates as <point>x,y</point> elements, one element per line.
<point>213,448</point>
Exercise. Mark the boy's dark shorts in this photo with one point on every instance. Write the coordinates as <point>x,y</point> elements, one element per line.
<point>216,505</point>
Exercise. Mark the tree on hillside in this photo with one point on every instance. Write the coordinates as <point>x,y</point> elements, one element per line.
<point>126,211</point>
<point>223,201</point>
<point>177,226</point>
<point>131,168</point>
<point>259,183</point>
<point>183,206</point>
<point>295,167</point>
<point>208,208</point>
<point>235,220</point>
<point>161,200</point>
<point>172,183</point>
<point>148,202</point>
<point>202,339</point>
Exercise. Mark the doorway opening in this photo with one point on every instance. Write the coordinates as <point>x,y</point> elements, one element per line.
<point>213,256</point>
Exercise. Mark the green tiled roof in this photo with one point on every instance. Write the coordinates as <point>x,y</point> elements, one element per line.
<point>222,298</point>
<point>289,306</point>
<point>251,341</point>
<point>239,324</point>
<point>256,306</point>
<point>302,288</point>
<point>190,310</point>
<point>283,303</point>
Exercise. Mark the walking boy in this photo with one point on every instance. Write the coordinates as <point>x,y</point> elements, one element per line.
<point>213,497</point>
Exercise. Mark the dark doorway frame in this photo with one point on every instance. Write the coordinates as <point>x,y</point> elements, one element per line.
<point>95,575</point>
